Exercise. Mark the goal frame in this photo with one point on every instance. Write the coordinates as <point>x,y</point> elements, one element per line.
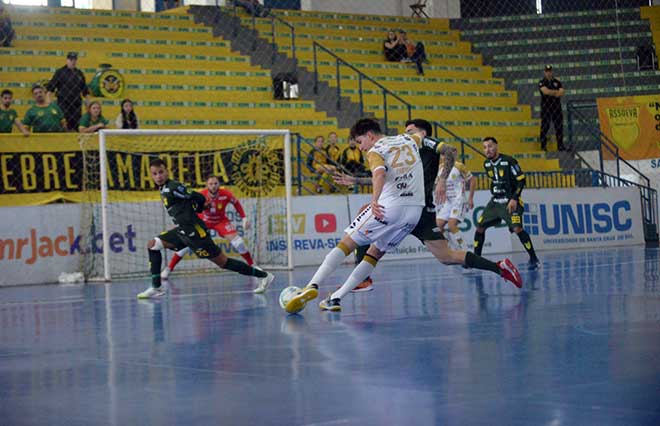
<point>103,165</point>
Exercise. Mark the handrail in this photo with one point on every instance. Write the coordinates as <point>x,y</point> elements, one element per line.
<point>361,76</point>
<point>273,17</point>
<point>463,142</point>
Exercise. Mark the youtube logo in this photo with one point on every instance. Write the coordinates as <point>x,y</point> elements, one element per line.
<point>325,222</point>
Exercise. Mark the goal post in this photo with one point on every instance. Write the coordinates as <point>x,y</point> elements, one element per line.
<point>254,164</point>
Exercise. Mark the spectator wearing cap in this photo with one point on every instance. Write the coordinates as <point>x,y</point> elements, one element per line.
<point>69,82</point>
<point>551,93</point>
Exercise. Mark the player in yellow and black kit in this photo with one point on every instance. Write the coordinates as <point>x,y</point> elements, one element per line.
<point>508,181</point>
<point>183,205</point>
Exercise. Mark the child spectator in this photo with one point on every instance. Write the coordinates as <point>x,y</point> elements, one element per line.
<point>352,160</point>
<point>127,118</point>
<point>93,120</point>
<point>317,162</point>
<point>332,150</point>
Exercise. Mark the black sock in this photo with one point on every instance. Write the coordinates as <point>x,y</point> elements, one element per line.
<point>243,268</point>
<point>479,238</point>
<point>527,243</point>
<point>478,262</point>
<point>359,253</point>
<point>155,262</point>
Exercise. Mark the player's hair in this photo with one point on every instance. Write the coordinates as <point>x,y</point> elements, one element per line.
<point>212,176</point>
<point>421,124</point>
<point>157,162</point>
<point>489,138</point>
<point>449,153</point>
<point>364,126</point>
<point>37,86</point>
<point>7,92</point>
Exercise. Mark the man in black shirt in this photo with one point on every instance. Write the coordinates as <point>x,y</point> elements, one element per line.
<point>69,82</point>
<point>507,183</point>
<point>551,93</point>
<point>182,205</point>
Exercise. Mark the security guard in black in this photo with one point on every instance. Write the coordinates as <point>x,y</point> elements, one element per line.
<point>551,108</point>
<point>70,84</point>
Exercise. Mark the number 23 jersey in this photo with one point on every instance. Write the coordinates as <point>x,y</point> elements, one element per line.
<point>404,174</point>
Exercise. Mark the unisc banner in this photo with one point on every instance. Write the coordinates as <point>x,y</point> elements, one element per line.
<point>633,123</point>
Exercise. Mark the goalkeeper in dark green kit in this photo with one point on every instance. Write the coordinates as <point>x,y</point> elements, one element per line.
<point>507,183</point>
<point>182,205</point>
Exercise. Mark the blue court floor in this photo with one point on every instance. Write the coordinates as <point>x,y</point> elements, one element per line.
<point>578,345</point>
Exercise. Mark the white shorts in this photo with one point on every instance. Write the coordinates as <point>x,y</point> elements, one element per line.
<point>454,209</point>
<point>385,234</point>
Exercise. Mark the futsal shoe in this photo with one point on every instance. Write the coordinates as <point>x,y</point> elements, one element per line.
<point>534,264</point>
<point>509,272</point>
<point>298,302</point>
<point>153,292</point>
<point>264,283</point>
<point>366,285</point>
<point>166,273</point>
<point>332,305</point>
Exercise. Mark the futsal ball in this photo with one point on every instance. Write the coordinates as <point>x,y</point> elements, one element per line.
<point>288,294</point>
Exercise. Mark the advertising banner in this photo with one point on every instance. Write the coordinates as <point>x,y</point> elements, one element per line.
<point>633,123</point>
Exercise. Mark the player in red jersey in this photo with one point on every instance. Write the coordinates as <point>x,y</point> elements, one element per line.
<point>216,220</point>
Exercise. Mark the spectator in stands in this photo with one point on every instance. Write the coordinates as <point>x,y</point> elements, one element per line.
<point>93,121</point>
<point>127,118</point>
<point>332,150</point>
<point>394,48</point>
<point>352,160</point>
<point>253,7</point>
<point>69,82</point>
<point>414,51</point>
<point>317,162</point>
<point>551,92</point>
<point>8,115</point>
<point>43,116</point>
<point>7,33</point>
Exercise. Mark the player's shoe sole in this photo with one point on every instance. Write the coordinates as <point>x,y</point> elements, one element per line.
<point>364,286</point>
<point>510,272</point>
<point>264,283</point>
<point>152,293</point>
<point>332,305</point>
<point>298,302</point>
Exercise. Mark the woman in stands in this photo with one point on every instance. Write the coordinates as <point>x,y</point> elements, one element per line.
<point>127,118</point>
<point>92,121</point>
<point>394,48</point>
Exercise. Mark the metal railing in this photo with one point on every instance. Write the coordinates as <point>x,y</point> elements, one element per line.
<point>339,62</point>
<point>464,144</point>
<point>273,20</point>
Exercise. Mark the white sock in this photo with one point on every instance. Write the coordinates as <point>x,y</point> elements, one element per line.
<point>183,252</point>
<point>330,263</point>
<point>458,240</point>
<point>359,274</point>
<point>239,245</point>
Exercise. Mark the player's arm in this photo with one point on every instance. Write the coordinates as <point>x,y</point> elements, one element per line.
<point>21,127</point>
<point>517,183</point>
<point>471,181</point>
<point>559,92</point>
<point>377,166</point>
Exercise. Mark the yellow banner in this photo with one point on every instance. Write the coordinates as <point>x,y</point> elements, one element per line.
<point>43,169</point>
<point>633,123</point>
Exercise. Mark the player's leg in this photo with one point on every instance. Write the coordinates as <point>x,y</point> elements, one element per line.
<point>399,221</point>
<point>514,221</point>
<point>505,268</point>
<point>367,284</point>
<point>208,250</point>
<point>545,126</point>
<point>176,258</point>
<point>227,230</point>
<point>558,123</point>
<point>489,217</point>
<point>455,235</point>
<point>166,240</point>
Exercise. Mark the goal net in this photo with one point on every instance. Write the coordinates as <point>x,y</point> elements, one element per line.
<point>122,206</point>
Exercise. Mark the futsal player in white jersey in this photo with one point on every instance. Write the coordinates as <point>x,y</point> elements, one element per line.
<point>396,205</point>
<point>453,203</point>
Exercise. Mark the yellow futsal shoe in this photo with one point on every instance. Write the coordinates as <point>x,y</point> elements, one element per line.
<point>298,302</point>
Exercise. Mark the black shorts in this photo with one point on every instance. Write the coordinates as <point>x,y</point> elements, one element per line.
<point>494,213</point>
<point>196,237</point>
<point>427,229</point>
